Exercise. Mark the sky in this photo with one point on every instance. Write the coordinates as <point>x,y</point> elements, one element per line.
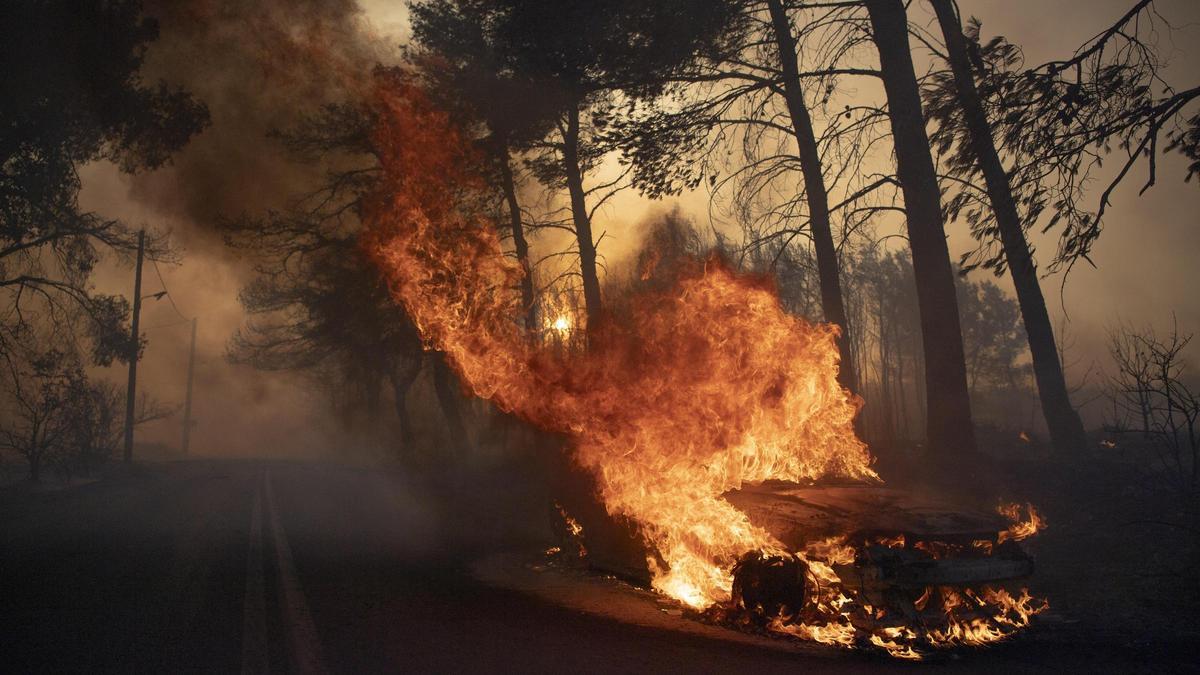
<point>1146,260</point>
<point>257,63</point>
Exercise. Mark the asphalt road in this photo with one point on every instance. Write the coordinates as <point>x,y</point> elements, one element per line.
<point>268,566</point>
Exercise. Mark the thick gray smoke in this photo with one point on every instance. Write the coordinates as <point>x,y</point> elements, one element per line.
<point>258,66</point>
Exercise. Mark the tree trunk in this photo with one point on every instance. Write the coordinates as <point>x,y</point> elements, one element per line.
<point>949,431</point>
<point>579,214</point>
<point>449,395</point>
<point>902,427</point>
<point>814,191</point>
<point>1066,429</point>
<point>518,234</point>
<point>886,389</point>
<point>402,378</point>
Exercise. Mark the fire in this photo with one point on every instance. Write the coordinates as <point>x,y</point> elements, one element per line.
<point>1013,613</point>
<point>574,531</point>
<point>573,525</point>
<point>1022,527</point>
<point>710,385</point>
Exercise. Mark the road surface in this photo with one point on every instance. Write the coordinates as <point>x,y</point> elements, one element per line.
<point>228,566</point>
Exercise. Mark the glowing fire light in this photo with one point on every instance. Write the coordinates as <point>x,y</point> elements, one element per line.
<point>1022,527</point>
<point>710,385</point>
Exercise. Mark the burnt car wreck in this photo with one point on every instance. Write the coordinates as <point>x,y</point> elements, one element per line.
<point>861,563</point>
<point>903,549</point>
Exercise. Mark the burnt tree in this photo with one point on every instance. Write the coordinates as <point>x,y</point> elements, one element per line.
<point>465,67</point>
<point>949,430</point>
<point>814,189</point>
<point>586,54</point>
<point>1063,422</point>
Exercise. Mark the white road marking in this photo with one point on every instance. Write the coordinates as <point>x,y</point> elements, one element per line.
<point>254,605</point>
<point>304,643</point>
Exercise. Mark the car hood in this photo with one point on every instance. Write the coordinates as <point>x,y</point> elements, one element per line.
<point>797,514</point>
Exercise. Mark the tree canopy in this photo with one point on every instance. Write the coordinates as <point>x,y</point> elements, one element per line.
<point>73,93</point>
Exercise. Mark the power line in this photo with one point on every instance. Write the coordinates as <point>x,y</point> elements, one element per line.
<point>167,291</point>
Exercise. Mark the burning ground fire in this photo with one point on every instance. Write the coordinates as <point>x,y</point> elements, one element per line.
<point>710,387</point>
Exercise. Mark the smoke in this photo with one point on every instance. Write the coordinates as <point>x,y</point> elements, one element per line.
<point>258,67</point>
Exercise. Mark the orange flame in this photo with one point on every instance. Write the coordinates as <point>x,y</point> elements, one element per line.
<point>1022,527</point>
<point>574,531</point>
<point>709,386</point>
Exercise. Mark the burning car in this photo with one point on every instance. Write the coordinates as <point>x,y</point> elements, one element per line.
<point>857,563</point>
<point>903,564</point>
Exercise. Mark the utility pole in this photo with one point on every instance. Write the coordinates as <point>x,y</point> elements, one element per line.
<point>187,401</point>
<point>131,389</point>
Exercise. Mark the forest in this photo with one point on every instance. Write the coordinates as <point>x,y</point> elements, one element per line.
<point>756,112</point>
<point>682,246</point>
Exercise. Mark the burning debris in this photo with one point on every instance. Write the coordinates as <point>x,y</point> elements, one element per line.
<point>572,536</point>
<point>690,417</point>
<point>909,573</point>
<point>1023,525</point>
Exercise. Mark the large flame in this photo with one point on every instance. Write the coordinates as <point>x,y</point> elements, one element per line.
<point>704,387</point>
<point>710,385</point>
